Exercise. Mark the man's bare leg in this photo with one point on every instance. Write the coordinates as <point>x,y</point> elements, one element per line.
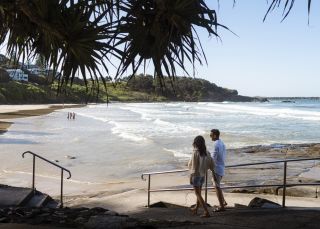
<point>221,199</point>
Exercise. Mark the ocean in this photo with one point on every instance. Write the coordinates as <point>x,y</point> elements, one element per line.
<point>119,141</point>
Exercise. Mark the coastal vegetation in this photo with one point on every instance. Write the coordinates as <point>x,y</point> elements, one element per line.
<point>140,88</point>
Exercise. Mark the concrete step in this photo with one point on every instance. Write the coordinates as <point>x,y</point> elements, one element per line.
<point>38,200</point>
<point>24,197</point>
<point>14,196</point>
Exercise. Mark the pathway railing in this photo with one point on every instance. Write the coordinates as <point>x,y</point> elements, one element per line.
<point>50,162</point>
<point>284,184</point>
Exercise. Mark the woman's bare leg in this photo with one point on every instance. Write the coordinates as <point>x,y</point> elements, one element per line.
<point>200,199</point>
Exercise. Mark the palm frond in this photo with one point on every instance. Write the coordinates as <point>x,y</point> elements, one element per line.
<point>163,31</point>
<point>80,36</point>
<point>287,7</point>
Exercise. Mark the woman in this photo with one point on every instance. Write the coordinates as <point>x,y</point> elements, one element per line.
<point>198,165</point>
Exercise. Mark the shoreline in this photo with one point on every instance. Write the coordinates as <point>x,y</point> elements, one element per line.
<point>10,112</point>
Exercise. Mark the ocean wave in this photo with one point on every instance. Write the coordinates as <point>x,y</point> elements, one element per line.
<point>93,117</point>
<point>164,123</point>
<point>124,133</point>
<point>58,177</point>
<point>146,114</point>
<point>29,173</point>
<point>168,127</point>
<point>263,111</point>
<point>180,154</point>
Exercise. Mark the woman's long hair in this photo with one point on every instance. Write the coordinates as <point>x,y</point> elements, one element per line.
<point>200,144</point>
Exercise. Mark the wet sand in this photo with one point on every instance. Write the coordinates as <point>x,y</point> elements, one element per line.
<point>8,112</point>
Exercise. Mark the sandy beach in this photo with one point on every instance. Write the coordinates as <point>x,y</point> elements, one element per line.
<point>8,112</point>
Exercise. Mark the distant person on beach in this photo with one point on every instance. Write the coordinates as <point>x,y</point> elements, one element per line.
<point>68,117</point>
<point>218,155</point>
<point>73,115</point>
<point>198,165</point>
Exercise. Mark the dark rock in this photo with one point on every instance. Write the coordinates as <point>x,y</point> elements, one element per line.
<point>4,220</point>
<point>288,101</point>
<point>68,217</point>
<point>106,222</point>
<point>45,214</point>
<point>36,211</point>
<point>98,209</point>
<point>80,220</point>
<point>263,203</point>
<point>62,221</point>
<point>111,213</point>
<point>39,220</point>
<point>240,206</point>
<point>80,209</point>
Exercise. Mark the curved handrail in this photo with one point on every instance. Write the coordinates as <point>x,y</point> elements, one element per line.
<point>36,155</point>
<point>284,185</point>
<point>233,166</point>
<point>163,172</point>
<point>274,162</point>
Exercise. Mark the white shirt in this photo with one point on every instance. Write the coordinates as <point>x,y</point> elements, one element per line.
<point>219,155</point>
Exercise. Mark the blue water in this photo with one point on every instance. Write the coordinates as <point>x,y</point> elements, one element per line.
<point>122,140</point>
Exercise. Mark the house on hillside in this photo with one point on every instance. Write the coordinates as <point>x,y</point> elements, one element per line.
<point>17,74</point>
<point>38,71</point>
<point>3,58</point>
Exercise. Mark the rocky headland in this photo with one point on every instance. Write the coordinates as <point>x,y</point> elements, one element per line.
<point>298,172</point>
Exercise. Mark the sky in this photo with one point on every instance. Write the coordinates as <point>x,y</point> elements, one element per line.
<point>270,58</point>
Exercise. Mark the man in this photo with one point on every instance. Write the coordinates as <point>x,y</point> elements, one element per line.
<point>218,155</point>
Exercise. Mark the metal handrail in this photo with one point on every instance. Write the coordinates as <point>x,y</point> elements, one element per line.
<point>283,185</point>
<point>33,173</point>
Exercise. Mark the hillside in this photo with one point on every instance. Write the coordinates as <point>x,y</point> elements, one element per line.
<point>139,89</point>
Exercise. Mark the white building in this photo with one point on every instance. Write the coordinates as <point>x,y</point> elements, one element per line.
<point>17,74</point>
<point>35,71</point>
<point>2,58</point>
<point>38,71</point>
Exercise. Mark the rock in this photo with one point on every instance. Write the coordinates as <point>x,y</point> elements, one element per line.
<point>80,209</point>
<point>4,220</point>
<point>106,222</point>
<point>85,213</point>
<point>240,205</point>
<point>98,209</point>
<point>36,211</point>
<point>111,213</point>
<point>47,210</point>
<point>80,220</point>
<point>45,214</point>
<point>68,217</point>
<point>288,101</point>
<point>62,221</point>
<point>263,203</point>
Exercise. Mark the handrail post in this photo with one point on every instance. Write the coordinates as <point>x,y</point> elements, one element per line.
<point>206,189</point>
<point>61,193</point>
<point>33,174</point>
<point>149,180</point>
<point>284,184</point>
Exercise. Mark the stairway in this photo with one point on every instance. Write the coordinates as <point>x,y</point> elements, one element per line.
<point>24,197</point>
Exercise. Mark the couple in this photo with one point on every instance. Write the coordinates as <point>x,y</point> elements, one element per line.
<point>200,162</point>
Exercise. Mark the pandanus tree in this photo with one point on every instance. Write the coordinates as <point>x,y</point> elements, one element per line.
<point>86,36</point>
